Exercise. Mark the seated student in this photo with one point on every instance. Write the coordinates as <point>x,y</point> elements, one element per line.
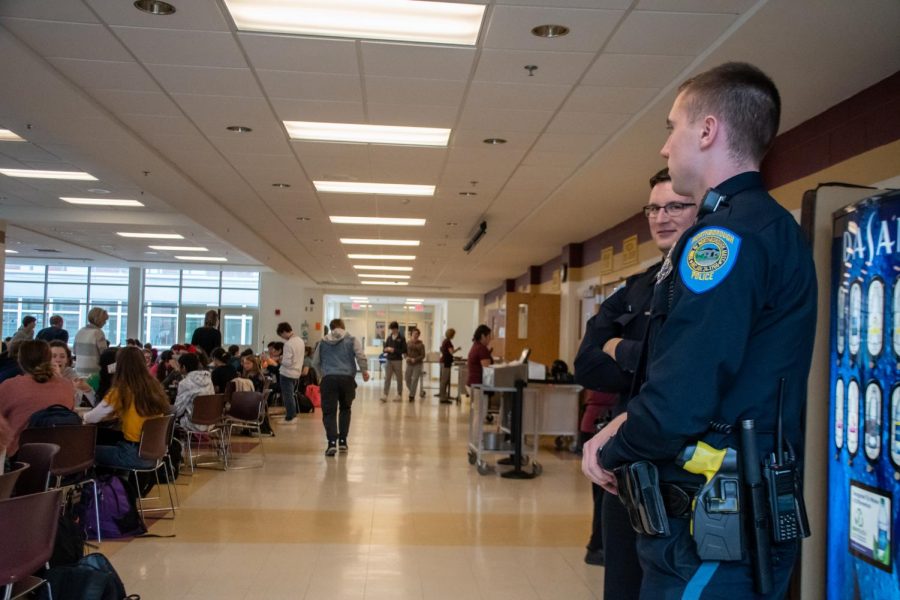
<point>133,397</point>
<point>196,382</point>
<point>253,372</point>
<point>9,365</point>
<point>61,358</point>
<point>234,357</point>
<point>39,388</point>
<point>222,371</point>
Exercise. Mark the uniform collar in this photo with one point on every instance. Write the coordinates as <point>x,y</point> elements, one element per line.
<point>741,183</point>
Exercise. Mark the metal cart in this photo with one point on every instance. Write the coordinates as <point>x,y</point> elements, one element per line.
<point>487,438</point>
<point>554,409</point>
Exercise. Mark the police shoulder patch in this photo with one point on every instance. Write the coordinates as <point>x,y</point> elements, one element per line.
<point>709,257</point>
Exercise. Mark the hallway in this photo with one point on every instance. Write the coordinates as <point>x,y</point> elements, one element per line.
<point>401,516</point>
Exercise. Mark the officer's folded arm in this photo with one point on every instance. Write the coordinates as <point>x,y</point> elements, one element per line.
<point>693,361</point>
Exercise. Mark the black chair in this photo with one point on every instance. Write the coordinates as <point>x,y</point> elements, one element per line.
<point>36,479</point>
<point>8,479</point>
<point>247,410</point>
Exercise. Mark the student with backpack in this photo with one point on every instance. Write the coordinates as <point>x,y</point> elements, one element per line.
<point>134,397</point>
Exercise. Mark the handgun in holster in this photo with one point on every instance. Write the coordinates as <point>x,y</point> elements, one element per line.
<point>716,522</point>
<point>639,491</point>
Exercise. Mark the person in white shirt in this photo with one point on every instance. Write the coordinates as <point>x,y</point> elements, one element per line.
<point>291,368</point>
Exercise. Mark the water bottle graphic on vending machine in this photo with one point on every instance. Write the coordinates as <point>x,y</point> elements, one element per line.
<point>854,333</point>
<point>839,414</point>
<point>882,553</point>
<point>852,417</point>
<point>841,320</point>
<point>895,426</point>
<point>875,318</point>
<point>872,424</point>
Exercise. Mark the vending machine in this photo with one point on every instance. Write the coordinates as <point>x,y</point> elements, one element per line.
<point>864,466</point>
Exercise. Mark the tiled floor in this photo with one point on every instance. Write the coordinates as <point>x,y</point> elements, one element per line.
<point>401,516</point>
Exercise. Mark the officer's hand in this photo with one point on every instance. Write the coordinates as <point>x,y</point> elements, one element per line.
<point>609,347</point>
<point>589,465</point>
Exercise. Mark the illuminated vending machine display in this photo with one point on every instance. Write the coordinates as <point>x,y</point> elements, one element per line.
<point>852,417</point>
<point>875,319</point>
<point>894,430</point>
<point>896,315</point>
<point>839,414</point>
<point>872,424</point>
<point>842,320</point>
<point>855,332</point>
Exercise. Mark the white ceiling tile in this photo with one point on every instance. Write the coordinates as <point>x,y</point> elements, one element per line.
<point>735,7</point>
<point>599,124</point>
<point>24,152</point>
<point>554,159</point>
<point>68,40</point>
<point>617,4</point>
<point>212,114</point>
<point>154,124</point>
<point>412,115</point>
<point>310,86</point>
<point>464,172</point>
<point>310,110</point>
<point>635,70</point>
<point>206,80</point>
<point>266,144</point>
<point>51,10</point>
<point>397,90</point>
<point>108,75</point>
<point>478,117</point>
<point>568,142</point>
<point>510,28</point>
<point>180,47</point>
<point>416,60</point>
<point>204,16</point>
<point>516,96</point>
<point>508,66</point>
<point>137,103</point>
<point>515,140</point>
<point>420,165</point>
<point>292,53</point>
<point>251,162</point>
<point>687,34</point>
<point>487,156</point>
<point>621,100</point>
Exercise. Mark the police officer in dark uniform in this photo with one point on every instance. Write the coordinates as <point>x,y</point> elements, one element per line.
<point>733,314</point>
<point>608,360</point>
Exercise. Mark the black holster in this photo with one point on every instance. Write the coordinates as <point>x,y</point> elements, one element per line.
<point>639,491</point>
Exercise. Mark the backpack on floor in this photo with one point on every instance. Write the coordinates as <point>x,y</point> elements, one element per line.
<point>68,546</point>
<point>91,578</point>
<point>119,517</point>
<point>304,404</point>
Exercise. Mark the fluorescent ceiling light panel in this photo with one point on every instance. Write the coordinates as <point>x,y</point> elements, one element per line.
<point>398,20</point>
<point>384,282</point>
<point>380,268</point>
<point>151,236</point>
<point>11,251</point>
<point>38,174</point>
<point>101,201</point>
<point>204,258</point>
<point>382,276</point>
<point>180,248</point>
<point>415,300</point>
<point>383,189</point>
<point>376,242</point>
<point>381,256</point>
<point>377,221</point>
<point>367,134</point>
<point>8,136</point>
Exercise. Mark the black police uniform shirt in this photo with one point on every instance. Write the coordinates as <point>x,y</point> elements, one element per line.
<point>736,314</point>
<point>623,315</point>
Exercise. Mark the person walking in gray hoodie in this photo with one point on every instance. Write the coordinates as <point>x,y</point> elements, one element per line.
<point>337,358</point>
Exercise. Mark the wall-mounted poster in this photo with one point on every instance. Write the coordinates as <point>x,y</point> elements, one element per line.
<point>630,251</point>
<point>864,415</point>
<point>379,330</point>
<point>606,260</point>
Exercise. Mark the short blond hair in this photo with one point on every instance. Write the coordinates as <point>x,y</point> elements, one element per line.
<point>97,314</point>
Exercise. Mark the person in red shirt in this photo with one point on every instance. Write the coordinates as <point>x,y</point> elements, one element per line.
<point>479,354</point>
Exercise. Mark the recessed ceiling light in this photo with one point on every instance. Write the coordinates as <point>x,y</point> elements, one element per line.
<point>360,298</point>
<point>399,20</point>
<point>180,248</point>
<point>239,129</point>
<point>468,193</point>
<point>11,251</point>
<point>384,283</point>
<point>494,141</point>
<point>367,134</point>
<point>378,242</point>
<point>155,7</point>
<point>381,256</point>
<point>452,223</point>
<point>101,201</point>
<point>152,236</point>
<point>550,31</point>
<point>303,218</point>
<point>415,300</point>
<point>204,258</point>
<point>376,221</point>
<point>389,189</point>
<point>281,185</point>
<point>381,268</point>
<point>381,276</point>
<point>8,136</point>
<point>98,191</point>
<point>38,174</point>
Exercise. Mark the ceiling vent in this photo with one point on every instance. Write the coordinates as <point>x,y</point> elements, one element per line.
<point>46,250</point>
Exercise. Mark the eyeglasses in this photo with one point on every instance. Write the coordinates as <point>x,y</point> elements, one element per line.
<point>673,209</point>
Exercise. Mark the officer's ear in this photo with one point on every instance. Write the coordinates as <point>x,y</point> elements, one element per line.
<point>710,130</point>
